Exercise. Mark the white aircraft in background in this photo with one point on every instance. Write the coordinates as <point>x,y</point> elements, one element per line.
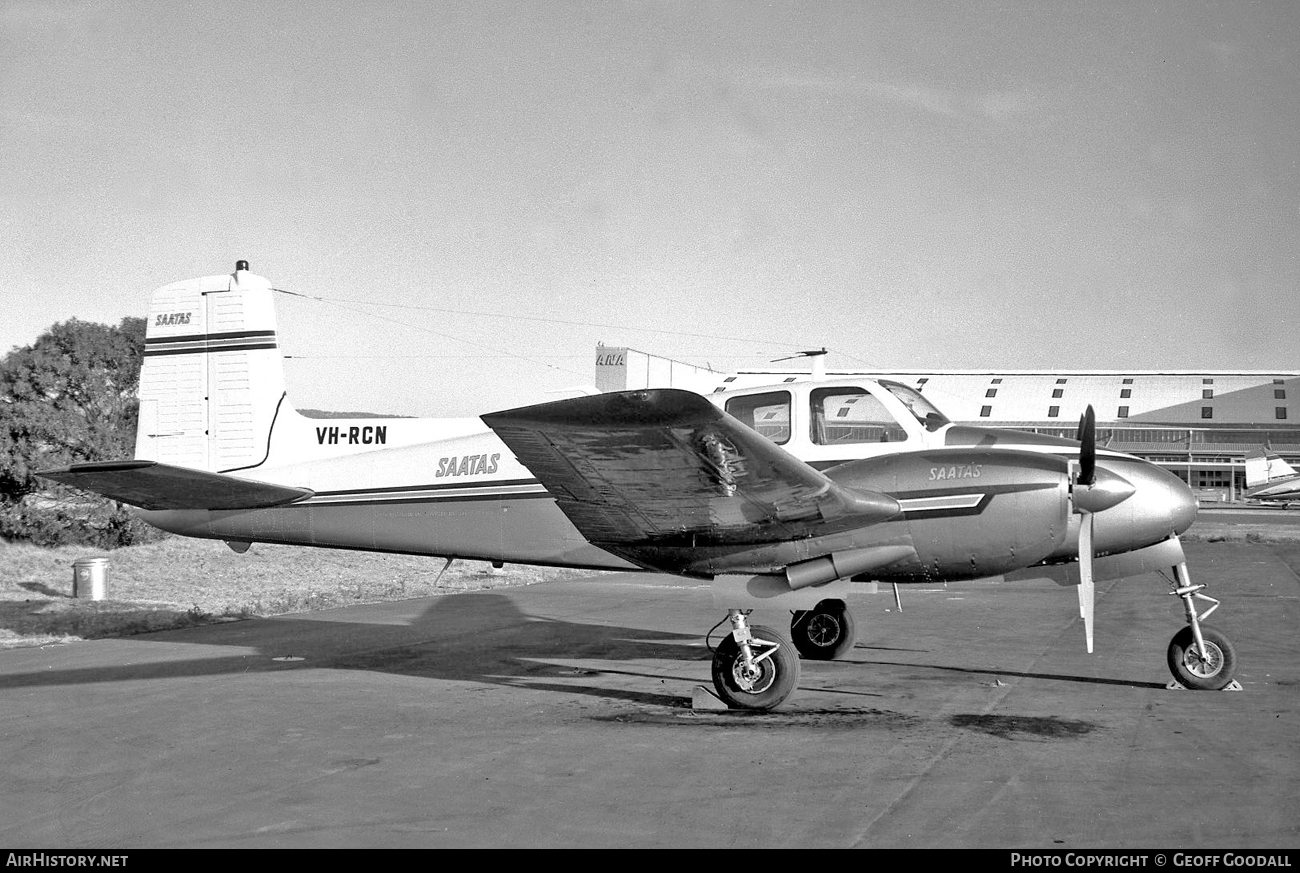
<point>780,495</point>
<point>1269,479</point>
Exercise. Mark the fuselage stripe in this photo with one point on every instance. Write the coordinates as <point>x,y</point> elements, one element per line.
<point>428,495</point>
<point>503,483</point>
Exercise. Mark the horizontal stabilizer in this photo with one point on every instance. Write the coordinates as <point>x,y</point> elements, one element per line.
<point>634,470</point>
<point>150,485</point>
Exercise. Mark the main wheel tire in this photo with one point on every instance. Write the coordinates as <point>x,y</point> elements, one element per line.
<point>825,632</point>
<point>771,684</point>
<point>1209,672</point>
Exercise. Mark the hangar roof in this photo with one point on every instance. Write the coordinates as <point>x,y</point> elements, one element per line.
<point>1147,397</point>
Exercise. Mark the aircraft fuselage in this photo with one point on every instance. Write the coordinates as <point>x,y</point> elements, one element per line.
<point>473,500</point>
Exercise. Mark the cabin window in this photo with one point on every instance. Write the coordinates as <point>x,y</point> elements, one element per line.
<point>842,416</point>
<point>1125,392</point>
<point>992,392</point>
<point>1058,392</point>
<point>1123,412</point>
<point>986,411</point>
<point>1207,412</point>
<point>1207,394</point>
<point>1280,412</point>
<point>1053,411</point>
<point>1279,394</point>
<point>767,413</point>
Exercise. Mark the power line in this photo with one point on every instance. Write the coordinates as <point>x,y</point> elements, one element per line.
<point>427,330</point>
<point>340,301</point>
<point>571,323</point>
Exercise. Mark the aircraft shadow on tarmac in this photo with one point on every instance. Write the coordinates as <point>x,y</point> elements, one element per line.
<point>475,636</point>
<point>471,637</point>
<point>992,671</point>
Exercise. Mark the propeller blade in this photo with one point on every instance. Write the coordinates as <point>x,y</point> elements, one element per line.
<point>1087,593</point>
<point>1088,447</point>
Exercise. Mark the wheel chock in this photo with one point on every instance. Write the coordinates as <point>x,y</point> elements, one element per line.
<point>704,700</point>
<point>1175,685</point>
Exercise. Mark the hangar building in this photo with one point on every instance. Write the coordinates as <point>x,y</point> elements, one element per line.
<point>1199,425</point>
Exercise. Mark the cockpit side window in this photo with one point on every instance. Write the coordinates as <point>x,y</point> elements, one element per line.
<point>924,411</point>
<point>767,413</point>
<point>843,416</point>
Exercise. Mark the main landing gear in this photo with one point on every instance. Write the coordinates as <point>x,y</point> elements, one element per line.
<point>754,667</point>
<point>824,632</point>
<point>1200,656</point>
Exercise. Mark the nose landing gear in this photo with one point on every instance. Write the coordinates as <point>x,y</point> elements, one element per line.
<point>1201,657</point>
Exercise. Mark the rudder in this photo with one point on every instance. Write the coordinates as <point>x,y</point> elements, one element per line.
<point>212,379</point>
<point>1263,466</point>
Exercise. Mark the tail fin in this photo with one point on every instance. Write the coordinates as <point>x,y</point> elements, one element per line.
<point>1263,467</point>
<point>212,381</point>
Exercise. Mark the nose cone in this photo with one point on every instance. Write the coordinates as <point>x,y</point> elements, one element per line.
<point>1161,506</point>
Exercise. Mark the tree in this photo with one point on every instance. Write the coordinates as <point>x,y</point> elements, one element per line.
<point>68,398</point>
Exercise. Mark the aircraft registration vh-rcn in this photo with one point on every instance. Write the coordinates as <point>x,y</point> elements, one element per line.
<point>782,495</point>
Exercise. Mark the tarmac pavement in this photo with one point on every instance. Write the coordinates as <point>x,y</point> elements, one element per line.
<point>559,715</point>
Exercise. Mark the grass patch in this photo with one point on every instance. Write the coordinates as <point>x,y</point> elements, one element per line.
<point>181,582</point>
<point>1253,534</point>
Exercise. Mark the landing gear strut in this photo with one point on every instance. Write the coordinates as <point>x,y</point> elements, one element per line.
<point>824,632</point>
<point>1200,656</point>
<point>754,667</point>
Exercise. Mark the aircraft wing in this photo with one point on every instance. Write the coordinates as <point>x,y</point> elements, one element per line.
<point>150,485</point>
<point>636,470</point>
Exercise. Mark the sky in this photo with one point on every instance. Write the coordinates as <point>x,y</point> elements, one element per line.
<point>479,192</point>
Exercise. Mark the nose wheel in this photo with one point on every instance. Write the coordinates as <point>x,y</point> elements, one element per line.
<point>1201,657</point>
<point>1207,665</point>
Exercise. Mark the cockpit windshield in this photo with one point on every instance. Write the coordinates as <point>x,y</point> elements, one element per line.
<point>923,410</point>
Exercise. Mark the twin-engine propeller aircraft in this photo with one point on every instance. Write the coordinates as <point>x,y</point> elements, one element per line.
<point>780,495</point>
<point>1269,479</point>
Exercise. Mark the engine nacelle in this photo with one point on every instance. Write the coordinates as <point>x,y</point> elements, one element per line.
<point>969,513</point>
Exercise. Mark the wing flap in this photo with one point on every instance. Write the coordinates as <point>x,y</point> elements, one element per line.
<point>150,485</point>
<point>642,468</point>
